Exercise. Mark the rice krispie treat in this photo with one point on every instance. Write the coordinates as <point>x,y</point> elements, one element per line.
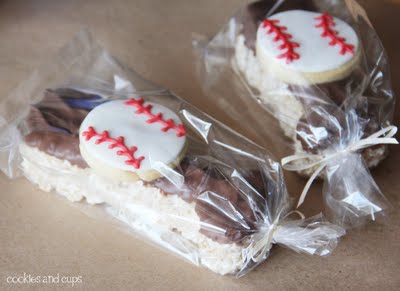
<point>299,60</point>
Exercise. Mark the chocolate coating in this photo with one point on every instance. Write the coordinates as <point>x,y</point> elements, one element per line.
<point>59,145</point>
<point>54,128</point>
<point>221,205</point>
<point>251,18</point>
<point>321,130</point>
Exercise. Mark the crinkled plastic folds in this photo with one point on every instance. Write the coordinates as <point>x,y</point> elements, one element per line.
<point>222,207</point>
<point>314,121</point>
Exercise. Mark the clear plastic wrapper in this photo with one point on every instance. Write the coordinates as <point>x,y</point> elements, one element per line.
<point>95,132</point>
<point>320,71</point>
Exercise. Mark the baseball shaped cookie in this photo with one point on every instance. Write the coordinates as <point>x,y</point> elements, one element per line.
<point>127,140</point>
<point>303,47</point>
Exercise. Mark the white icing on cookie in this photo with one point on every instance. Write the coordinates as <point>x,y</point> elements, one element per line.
<point>315,53</point>
<point>154,144</point>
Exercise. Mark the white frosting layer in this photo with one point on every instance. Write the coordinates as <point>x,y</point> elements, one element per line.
<point>157,147</point>
<point>316,55</point>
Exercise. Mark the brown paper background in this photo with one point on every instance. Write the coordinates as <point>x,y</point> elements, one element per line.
<point>42,234</point>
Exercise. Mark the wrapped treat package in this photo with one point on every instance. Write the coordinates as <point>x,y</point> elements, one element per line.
<point>96,133</point>
<point>319,69</point>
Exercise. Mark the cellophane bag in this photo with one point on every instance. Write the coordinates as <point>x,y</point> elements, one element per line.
<point>89,129</point>
<point>312,78</point>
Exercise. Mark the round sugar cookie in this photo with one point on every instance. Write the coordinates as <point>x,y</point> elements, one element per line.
<point>302,47</point>
<point>127,140</point>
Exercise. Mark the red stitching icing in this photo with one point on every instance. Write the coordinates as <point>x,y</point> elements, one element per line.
<point>115,143</point>
<point>326,24</point>
<point>290,54</point>
<point>168,124</point>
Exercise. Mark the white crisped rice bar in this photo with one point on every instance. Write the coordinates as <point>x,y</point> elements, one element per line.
<point>271,92</point>
<point>166,219</point>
